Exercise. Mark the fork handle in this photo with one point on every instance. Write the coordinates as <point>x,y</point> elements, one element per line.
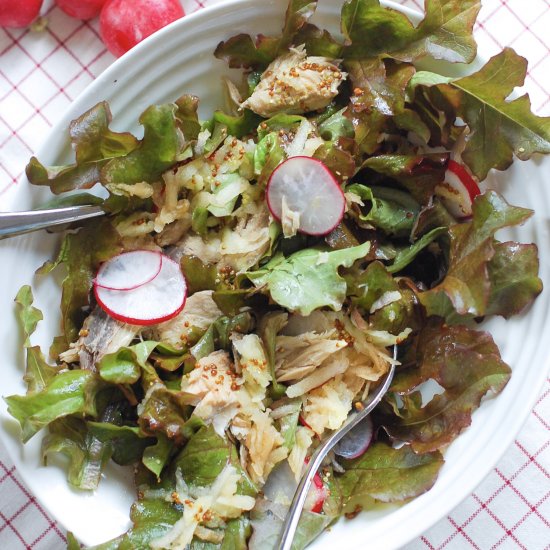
<point>17,223</point>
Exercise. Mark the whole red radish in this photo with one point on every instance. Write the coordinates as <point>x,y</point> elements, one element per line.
<point>124,23</point>
<point>81,9</point>
<point>18,13</point>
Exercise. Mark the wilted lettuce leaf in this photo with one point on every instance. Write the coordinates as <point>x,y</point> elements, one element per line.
<point>378,85</point>
<point>386,474</point>
<point>466,288</point>
<point>467,364</point>
<point>124,365</point>
<point>241,125</point>
<point>444,33</point>
<point>513,272</point>
<point>82,253</point>
<point>419,174</point>
<point>67,393</point>
<point>203,458</point>
<point>87,455</point>
<point>267,522</point>
<point>164,411</point>
<point>391,210</point>
<point>217,335</point>
<point>37,372</point>
<point>94,145</point>
<point>500,128</point>
<point>270,325</point>
<point>243,51</point>
<point>268,154</point>
<point>378,97</point>
<point>151,519</point>
<point>188,117</point>
<point>127,443</point>
<point>29,316</point>
<point>308,279</point>
<point>157,151</point>
<point>366,287</point>
<point>156,456</point>
<point>406,255</point>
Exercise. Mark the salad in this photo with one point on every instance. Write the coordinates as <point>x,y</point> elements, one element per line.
<point>255,270</point>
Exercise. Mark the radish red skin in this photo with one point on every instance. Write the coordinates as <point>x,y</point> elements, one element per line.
<point>81,9</point>
<point>18,13</point>
<point>459,181</point>
<point>124,23</point>
<point>342,207</point>
<point>133,321</point>
<point>469,182</point>
<point>149,303</point>
<point>97,280</point>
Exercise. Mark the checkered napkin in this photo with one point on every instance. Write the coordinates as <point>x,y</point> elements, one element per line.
<point>41,72</point>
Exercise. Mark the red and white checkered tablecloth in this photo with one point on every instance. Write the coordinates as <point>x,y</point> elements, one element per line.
<point>42,71</point>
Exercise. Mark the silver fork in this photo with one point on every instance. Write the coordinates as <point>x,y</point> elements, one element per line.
<point>295,510</point>
<point>17,223</point>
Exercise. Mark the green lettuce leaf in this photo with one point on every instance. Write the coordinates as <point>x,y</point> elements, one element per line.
<point>158,150</point>
<point>239,126</point>
<point>69,392</point>
<point>217,335</point>
<point>308,279</point>
<point>187,115</point>
<point>164,411</point>
<point>445,32</point>
<point>391,210</point>
<point>86,454</point>
<point>124,366</point>
<point>82,253</point>
<point>500,128</point>
<point>467,364</point>
<point>156,456</point>
<point>419,174</point>
<point>466,288</point>
<point>94,145</point>
<point>37,372</point>
<point>270,325</point>
<point>267,522</point>
<point>243,51</point>
<point>386,474</point>
<point>203,458</point>
<point>370,285</point>
<point>268,154</point>
<point>126,442</point>
<point>378,85</point>
<point>513,272</point>
<point>29,316</point>
<point>407,254</point>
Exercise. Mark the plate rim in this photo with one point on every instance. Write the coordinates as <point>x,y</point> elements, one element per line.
<point>502,444</point>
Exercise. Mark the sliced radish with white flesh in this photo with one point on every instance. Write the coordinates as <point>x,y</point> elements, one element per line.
<point>357,441</point>
<point>310,191</point>
<point>281,486</point>
<point>129,270</point>
<point>317,495</point>
<point>458,191</point>
<point>160,299</point>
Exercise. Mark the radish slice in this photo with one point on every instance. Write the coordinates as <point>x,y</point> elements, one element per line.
<point>357,441</point>
<point>129,270</point>
<point>311,193</point>
<point>318,494</point>
<point>281,485</point>
<point>160,299</point>
<point>458,191</point>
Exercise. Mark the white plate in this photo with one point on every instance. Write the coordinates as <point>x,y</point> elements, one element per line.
<point>179,60</point>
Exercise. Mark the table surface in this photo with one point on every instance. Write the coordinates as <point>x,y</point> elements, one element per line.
<point>42,72</point>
